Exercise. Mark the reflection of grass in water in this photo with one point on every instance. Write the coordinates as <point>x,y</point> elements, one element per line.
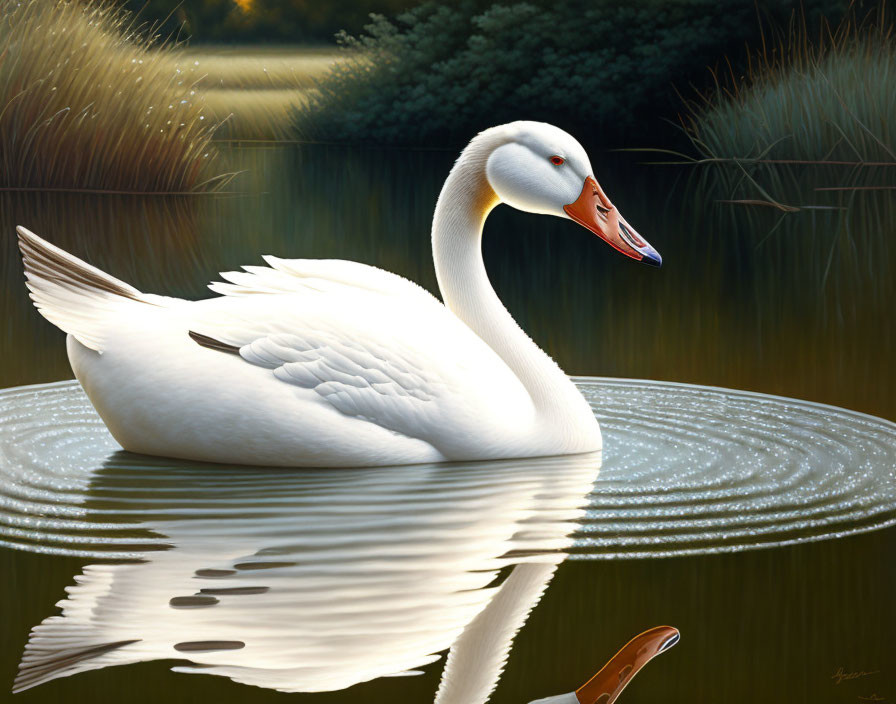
<point>375,207</point>
<point>853,214</point>
<point>796,303</point>
<point>86,105</point>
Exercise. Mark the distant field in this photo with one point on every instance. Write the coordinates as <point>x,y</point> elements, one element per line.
<point>252,89</point>
<point>269,68</point>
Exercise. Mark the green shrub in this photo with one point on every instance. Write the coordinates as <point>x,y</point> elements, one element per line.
<point>597,67</point>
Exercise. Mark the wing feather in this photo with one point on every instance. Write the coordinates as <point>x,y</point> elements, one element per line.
<point>370,344</point>
<point>306,275</point>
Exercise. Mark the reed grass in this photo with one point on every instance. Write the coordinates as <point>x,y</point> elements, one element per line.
<point>86,103</point>
<point>802,150</point>
<point>818,99</point>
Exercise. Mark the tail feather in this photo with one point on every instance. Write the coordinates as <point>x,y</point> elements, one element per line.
<point>73,295</point>
<point>79,639</point>
<point>60,661</point>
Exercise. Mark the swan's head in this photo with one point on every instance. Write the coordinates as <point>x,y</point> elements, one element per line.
<point>540,168</point>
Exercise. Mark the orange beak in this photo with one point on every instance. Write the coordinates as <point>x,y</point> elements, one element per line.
<point>607,684</point>
<point>594,211</point>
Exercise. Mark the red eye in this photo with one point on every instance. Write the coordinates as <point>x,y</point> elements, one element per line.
<point>557,160</point>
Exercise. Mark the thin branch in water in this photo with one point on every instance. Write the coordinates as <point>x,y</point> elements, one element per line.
<point>221,179</point>
<point>690,161</point>
<point>765,203</point>
<point>856,188</point>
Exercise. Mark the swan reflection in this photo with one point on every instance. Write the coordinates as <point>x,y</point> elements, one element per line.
<point>316,580</point>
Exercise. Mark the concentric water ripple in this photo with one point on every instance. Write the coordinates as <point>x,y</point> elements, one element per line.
<point>686,470</point>
<point>692,469</point>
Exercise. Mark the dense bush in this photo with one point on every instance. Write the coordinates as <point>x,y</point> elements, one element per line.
<point>441,72</point>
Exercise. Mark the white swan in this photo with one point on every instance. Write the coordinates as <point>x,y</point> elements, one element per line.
<point>335,363</point>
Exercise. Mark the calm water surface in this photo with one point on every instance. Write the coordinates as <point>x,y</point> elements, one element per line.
<point>316,581</point>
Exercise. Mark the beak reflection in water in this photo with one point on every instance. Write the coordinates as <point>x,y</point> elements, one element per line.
<point>316,580</point>
<point>606,686</point>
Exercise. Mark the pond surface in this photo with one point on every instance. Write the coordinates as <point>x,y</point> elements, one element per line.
<point>317,581</point>
<point>322,580</point>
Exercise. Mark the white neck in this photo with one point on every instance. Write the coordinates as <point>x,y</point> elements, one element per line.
<point>463,206</point>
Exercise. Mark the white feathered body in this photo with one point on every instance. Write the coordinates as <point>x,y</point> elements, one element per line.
<point>411,383</point>
<point>302,363</point>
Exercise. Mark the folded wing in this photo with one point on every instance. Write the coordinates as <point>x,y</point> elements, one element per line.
<point>371,344</point>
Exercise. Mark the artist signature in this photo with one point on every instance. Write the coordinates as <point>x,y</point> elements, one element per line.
<point>842,675</point>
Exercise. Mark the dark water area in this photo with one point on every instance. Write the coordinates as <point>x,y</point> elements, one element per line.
<point>799,307</point>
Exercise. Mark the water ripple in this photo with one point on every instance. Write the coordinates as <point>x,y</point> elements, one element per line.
<point>691,469</point>
<point>686,470</point>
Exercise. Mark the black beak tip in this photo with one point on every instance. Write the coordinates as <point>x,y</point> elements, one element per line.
<point>652,257</point>
<point>670,641</point>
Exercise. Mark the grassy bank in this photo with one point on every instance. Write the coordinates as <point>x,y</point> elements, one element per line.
<point>86,104</point>
<point>819,99</point>
<point>254,67</point>
<point>809,127</point>
<point>800,152</point>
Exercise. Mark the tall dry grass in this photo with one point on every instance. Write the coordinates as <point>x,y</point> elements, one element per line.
<point>86,104</point>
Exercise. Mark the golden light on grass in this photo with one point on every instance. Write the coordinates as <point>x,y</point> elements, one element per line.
<point>85,104</point>
<point>254,91</point>
<point>255,67</point>
<point>248,115</point>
